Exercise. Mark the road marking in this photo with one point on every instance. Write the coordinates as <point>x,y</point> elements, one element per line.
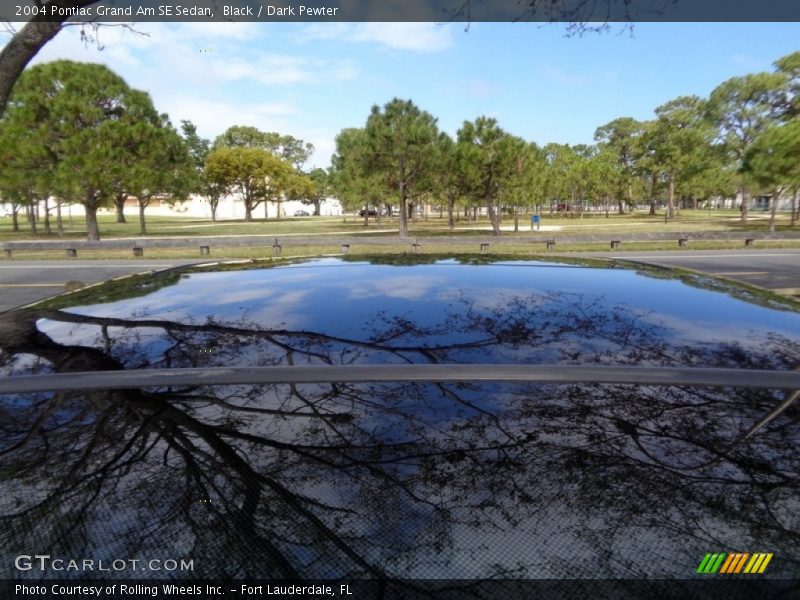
<point>25,285</point>
<point>790,291</point>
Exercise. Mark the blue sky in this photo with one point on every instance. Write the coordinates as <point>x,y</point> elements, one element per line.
<point>312,80</point>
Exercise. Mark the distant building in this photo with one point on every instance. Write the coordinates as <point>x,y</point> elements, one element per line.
<point>197,207</point>
<point>764,202</point>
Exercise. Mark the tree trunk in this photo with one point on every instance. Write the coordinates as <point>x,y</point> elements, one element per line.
<point>248,211</point>
<point>745,202</point>
<point>92,230</point>
<point>366,215</point>
<point>59,221</point>
<point>119,203</point>
<point>516,219</point>
<point>47,216</point>
<point>630,197</point>
<point>15,218</point>
<point>403,210</point>
<point>773,210</point>
<point>494,217</point>
<point>317,207</point>
<point>450,221</point>
<point>213,206</point>
<point>670,196</point>
<point>795,208</point>
<point>142,226</point>
<point>32,218</point>
<point>653,194</point>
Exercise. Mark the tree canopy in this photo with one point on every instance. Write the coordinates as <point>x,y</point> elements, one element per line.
<point>693,149</point>
<point>256,174</point>
<point>773,161</point>
<point>619,137</point>
<point>95,134</point>
<point>742,107</point>
<point>352,179</point>
<point>401,141</point>
<point>287,147</point>
<point>78,133</point>
<point>494,164</point>
<point>320,180</point>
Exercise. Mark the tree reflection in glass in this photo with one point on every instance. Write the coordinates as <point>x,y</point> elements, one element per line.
<point>402,480</point>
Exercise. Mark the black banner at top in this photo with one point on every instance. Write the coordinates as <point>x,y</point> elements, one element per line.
<point>571,11</point>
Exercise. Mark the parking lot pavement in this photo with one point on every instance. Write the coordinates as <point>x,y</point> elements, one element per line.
<point>774,269</point>
<point>23,282</point>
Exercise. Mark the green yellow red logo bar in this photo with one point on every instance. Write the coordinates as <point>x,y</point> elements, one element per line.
<point>734,563</point>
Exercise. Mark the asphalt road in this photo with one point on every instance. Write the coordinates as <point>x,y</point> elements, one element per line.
<point>777,269</point>
<point>23,282</point>
<point>26,281</point>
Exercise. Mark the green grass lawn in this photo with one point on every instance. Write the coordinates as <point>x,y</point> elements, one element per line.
<point>289,250</point>
<point>686,221</point>
<point>186,226</point>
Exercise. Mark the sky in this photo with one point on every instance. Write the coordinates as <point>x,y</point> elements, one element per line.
<point>311,80</point>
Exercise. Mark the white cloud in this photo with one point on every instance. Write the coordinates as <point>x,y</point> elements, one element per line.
<point>417,37</point>
<point>409,287</point>
<point>215,90</point>
<point>189,52</point>
<point>115,46</point>
<point>213,116</point>
<point>324,147</point>
<point>272,69</point>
